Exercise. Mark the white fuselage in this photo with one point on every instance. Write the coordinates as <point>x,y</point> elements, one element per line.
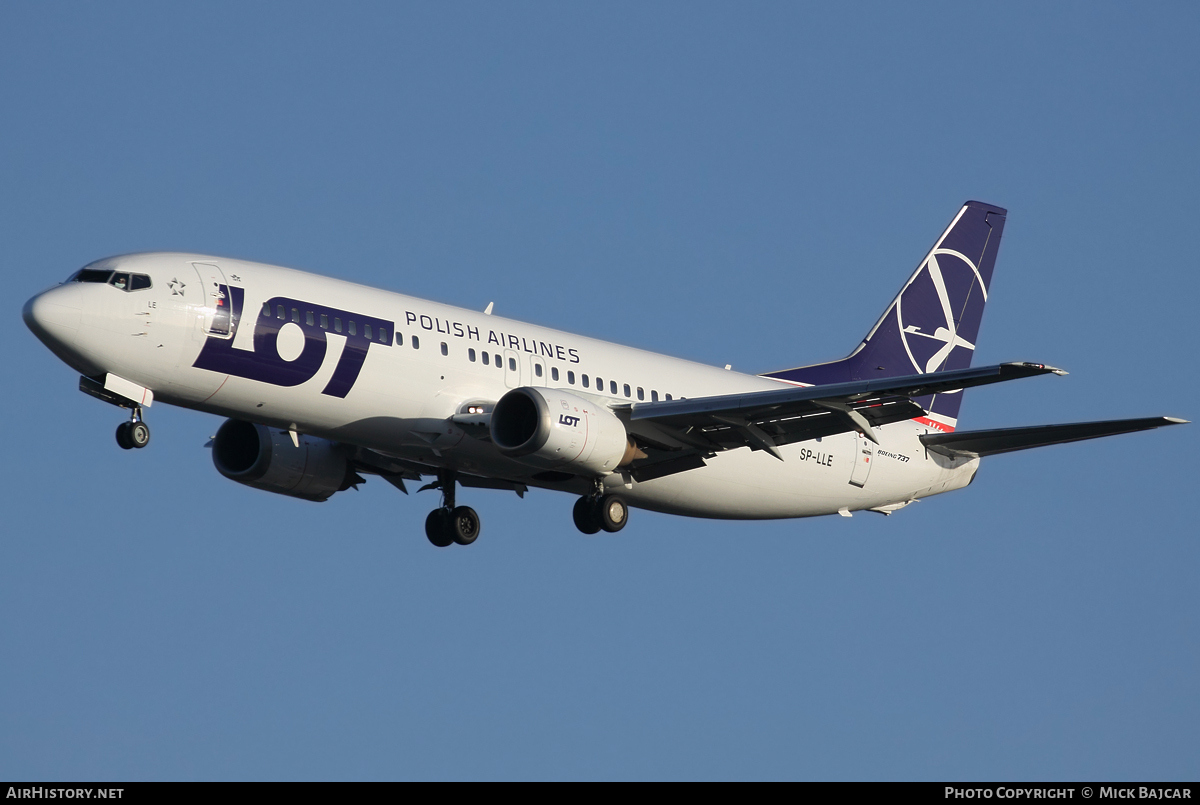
<point>401,400</point>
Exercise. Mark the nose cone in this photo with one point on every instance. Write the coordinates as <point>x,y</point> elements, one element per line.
<point>54,316</point>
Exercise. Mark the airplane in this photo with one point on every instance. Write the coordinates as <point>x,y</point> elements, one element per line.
<point>323,381</point>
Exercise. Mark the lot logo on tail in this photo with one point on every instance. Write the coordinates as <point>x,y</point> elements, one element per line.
<point>932,306</point>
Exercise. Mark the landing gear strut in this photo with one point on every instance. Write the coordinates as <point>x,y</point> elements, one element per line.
<point>134,433</point>
<point>599,511</point>
<point>451,523</point>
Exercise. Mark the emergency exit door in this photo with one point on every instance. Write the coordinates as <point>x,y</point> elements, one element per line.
<point>537,368</point>
<point>512,368</point>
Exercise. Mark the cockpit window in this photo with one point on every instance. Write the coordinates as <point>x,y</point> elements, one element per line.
<point>90,275</point>
<point>120,281</point>
<point>140,282</point>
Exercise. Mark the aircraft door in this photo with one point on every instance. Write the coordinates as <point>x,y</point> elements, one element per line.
<point>216,313</point>
<point>538,371</point>
<point>864,453</point>
<point>512,368</point>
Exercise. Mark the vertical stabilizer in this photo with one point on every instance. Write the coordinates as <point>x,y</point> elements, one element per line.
<point>933,323</point>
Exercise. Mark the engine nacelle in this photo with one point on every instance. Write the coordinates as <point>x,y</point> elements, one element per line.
<point>554,429</point>
<point>263,458</point>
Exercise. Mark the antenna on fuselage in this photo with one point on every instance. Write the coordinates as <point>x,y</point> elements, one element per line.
<point>487,311</point>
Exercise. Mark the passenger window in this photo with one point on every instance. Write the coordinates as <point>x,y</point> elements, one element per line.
<point>266,311</point>
<point>383,336</point>
<point>324,321</point>
<point>499,363</point>
<point>512,364</point>
<point>653,395</point>
<point>641,394</point>
<point>487,360</point>
<point>140,282</point>
<point>537,369</point>
<point>309,319</point>
<point>281,315</point>
<point>612,387</point>
<point>337,324</point>
<point>585,381</point>
<point>295,316</point>
<point>367,332</point>
<point>571,378</point>
<point>668,396</point>
<point>554,373</point>
<point>353,328</point>
<point>416,342</point>
<point>120,281</point>
<point>626,389</point>
<point>471,355</point>
<point>445,349</point>
<point>399,338</point>
<point>599,384</point>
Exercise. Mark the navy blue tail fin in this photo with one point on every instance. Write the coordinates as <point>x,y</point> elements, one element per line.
<point>933,323</point>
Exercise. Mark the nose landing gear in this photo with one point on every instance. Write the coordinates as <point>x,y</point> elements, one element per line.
<point>451,524</point>
<point>134,433</point>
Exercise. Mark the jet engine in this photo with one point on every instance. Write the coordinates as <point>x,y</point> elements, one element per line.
<point>553,429</point>
<point>266,458</point>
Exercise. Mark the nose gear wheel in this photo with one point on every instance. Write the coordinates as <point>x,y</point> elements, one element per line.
<point>134,433</point>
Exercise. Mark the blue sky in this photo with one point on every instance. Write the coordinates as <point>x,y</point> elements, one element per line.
<point>732,184</point>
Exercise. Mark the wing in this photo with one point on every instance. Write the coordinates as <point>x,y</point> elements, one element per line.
<point>1006,440</point>
<point>682,432</point>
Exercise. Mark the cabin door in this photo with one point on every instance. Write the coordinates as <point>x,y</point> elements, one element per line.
<point>215,310</point>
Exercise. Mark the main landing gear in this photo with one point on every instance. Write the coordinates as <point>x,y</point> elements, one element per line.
<point>598,511</point>
<point>450,523</point>
<point>134,433</point>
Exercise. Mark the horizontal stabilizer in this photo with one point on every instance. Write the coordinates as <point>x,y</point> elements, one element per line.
<point>1006,440</point>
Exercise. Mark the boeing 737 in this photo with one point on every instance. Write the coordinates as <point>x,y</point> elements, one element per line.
<point>323,381</point>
